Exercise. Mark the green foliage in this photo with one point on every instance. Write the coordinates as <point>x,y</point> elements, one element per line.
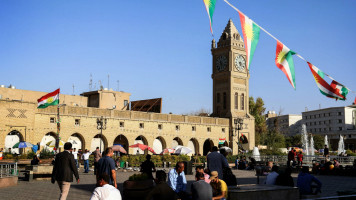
<point>275,140</point>
<point>30,155</point>
<point>138,177</point>
<point>257,110</point>
<point>271,152</point>
<point>45,154</point>
<point>318,142</point>
<point>294,141</point>
<point>231,158</point>
<point>350,153</point>
<point>157,160</point>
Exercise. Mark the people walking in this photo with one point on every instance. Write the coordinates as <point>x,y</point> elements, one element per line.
<point>63,170</point>
<point>300,159</point>
<point>291,157</point>
<point>97,156</point>
<point>147,166</point>
<point>107,165</point>
<point>216,162</point>
<point>326,151</point>
<point>105,191</point>
<point>85,158</point>
<point>75,155</point>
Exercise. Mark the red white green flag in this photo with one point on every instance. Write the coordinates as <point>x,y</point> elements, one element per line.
<point>210,7</point>
<point>335,90</point>
<point>284,62</point>
<point>50,99</point>
<point>222,140</point>
<point>251,33</point>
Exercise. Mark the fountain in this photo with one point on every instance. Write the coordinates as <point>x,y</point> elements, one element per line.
<point>312,150</point>
<point>341,146</point>
<point>326,140</point>
<point>256,154</point>
<point>305,140</point>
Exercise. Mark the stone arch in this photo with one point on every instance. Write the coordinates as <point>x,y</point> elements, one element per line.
<point>122,140</point>
<point>48,137</point>
<point>11,139</point>
<point>140,140</point>
<point>207,147</point>
<point>77,141</point>
<point>159,144</point>
<point>194,145</point>
<point>177,141</point>
<point>97,141</point>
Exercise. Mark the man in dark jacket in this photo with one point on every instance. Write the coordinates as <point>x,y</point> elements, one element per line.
<point>63,170</point>
<point>216,162</point>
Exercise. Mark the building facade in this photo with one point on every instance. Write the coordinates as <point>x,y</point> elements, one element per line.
<point>20,120</point>
<point>286,124</point>
<point>333,122</point>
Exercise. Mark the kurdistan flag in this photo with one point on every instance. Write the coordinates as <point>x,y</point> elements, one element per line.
<point>50,99</point>
<point>331,91</point>
<point>251,33</point>
<point>210,7</point>
<point>284,62</point>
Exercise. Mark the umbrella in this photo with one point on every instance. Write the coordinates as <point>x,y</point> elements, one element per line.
<point>183,150</point>
<point>227,149</point>
<point>118,148</point>
<point>142,147</point>
<point>53,143</point>
<point>22,145</point>
<point>177,147</point>
<point>168,151</point>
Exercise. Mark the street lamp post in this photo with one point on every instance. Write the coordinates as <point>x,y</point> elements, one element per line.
<point>58,139</point>
<point>101,125</point>
<point>238,126</point>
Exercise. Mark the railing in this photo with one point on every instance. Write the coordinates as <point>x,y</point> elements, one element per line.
<point>307,160</point>
<point>8,169</point>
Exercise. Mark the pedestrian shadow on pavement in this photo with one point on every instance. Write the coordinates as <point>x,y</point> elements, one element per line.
<point>86,187</point>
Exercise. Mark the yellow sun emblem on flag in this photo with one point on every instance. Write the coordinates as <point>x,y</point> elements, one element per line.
<point>248,31</point>
<point>50,100</point>
<point>281,56</point>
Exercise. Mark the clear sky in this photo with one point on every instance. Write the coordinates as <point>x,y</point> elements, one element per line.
<point>161,48</point>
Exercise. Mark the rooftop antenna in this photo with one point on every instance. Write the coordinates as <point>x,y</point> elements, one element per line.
<point>73,89</point>
<point>91,82</point>
<point>108,81</point>
<point>100,85</point>
<point>306,109</point>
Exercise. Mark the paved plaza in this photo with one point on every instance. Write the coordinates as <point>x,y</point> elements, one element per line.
<point>44,190</point>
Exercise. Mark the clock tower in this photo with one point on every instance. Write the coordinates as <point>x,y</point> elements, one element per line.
<point>231,84</point>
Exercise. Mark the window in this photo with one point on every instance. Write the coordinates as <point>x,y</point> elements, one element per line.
<point>122,124</point>
<point>324,114</point>
<point>329,121</point>
<point>209,129</point>
<point>217,109</point>
<point>236,100</point>
<point>224,101</point>
<point>52,120</point>
<point>242,101</point>
<point>159,126</point>
<point>319,122</point>
<point>193,128</point>
<point>314,123</point>
<point>329,128</point>
<point>126,102</point>
<point>142,125</point>
<point>319,129</point>
<point>340,121</point>
<point>77,122</point>
<point>218,97</point>
<point>340,128</point>
<point>339,113</point>
<point>223,130</point>
<point>177,128</point>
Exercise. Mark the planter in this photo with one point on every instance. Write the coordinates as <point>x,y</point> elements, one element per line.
<point>137,189</point>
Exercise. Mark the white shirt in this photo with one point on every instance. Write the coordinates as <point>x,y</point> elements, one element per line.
<point>106,192</point>
<point>75,154</point>
<point>85,156</point>
<point>271,178</point>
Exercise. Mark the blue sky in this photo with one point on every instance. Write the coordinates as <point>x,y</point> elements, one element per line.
<point>161,48</point>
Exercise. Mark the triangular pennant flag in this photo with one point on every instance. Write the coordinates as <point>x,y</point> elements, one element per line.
<point>324,87</point>
<point>251,33</point>
<point>284,62</point>
<point>339,88</point>
<point>210,7</point>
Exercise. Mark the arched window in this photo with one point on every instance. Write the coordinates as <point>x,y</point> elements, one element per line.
<point>218,98</point>
<point>236,100</point>
<point>224,101</point>
<point>217,110</point>
<point>242,101</point>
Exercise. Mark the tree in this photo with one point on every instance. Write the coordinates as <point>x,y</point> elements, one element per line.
<point>318,142</point>
<point>294,141</point>
<point>257,110</point>
<point>275,140</point>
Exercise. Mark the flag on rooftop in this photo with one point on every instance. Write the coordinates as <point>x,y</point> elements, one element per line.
<point>50,99</point>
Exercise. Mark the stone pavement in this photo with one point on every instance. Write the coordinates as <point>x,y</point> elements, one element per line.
<point>45,190</point>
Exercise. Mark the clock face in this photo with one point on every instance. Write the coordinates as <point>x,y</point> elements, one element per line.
<point>221,63</point>
<point>240,63</point>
